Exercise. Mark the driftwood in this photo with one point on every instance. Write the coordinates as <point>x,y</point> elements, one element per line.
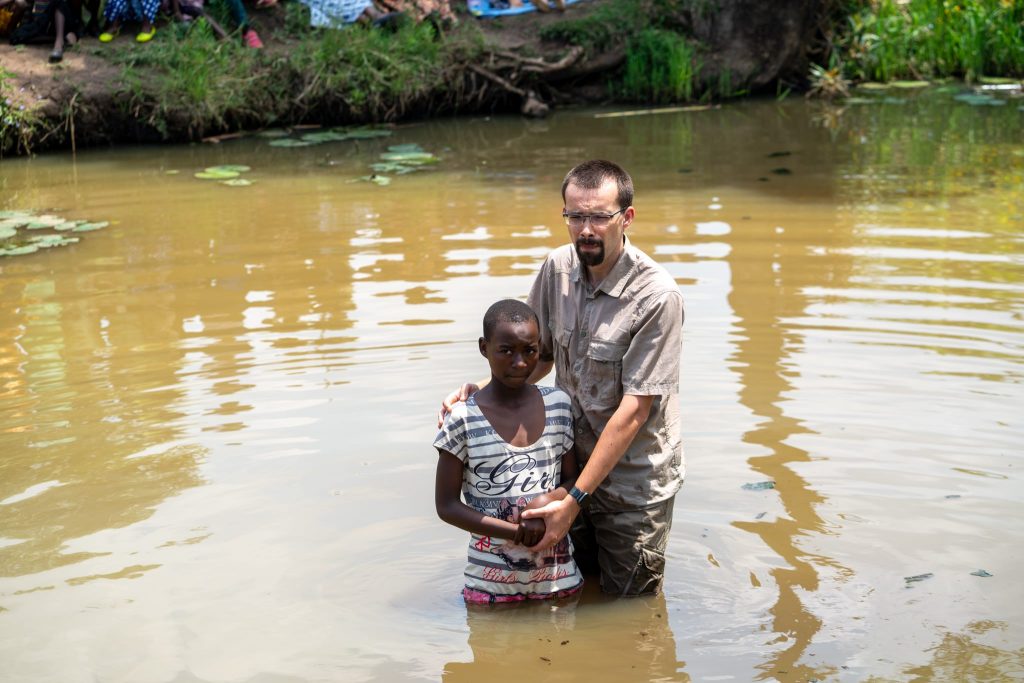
<point>516,74</point>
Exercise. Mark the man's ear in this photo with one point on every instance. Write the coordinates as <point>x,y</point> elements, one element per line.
<point>627,218</point>
<point>483,347</point>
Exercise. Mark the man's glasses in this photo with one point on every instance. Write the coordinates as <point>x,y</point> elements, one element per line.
<point>597,220</point>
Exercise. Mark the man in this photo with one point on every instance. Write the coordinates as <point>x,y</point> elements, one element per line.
<point>611,322</point>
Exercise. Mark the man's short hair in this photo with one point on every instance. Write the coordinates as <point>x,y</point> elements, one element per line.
<point>510,311</point>
<point>591,175</point>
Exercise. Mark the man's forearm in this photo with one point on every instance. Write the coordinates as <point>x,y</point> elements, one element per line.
<point>618,434</point>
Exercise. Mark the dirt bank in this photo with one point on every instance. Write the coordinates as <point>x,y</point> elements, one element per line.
<point>127,93</point>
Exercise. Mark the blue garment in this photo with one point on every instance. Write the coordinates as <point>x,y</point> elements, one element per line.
<point>131,10</point>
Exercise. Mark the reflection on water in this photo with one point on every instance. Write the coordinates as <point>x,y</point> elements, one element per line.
<point>216,413</point>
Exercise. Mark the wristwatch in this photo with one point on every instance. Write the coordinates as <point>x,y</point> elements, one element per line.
<point>581,497</point>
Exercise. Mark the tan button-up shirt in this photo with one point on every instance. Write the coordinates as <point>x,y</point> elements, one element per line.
<point>621,337</point>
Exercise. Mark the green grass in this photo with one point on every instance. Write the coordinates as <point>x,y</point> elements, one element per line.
<point>885,39</point>
<point>190,79</point>
<point>661,67</point>
<point>18,123</point>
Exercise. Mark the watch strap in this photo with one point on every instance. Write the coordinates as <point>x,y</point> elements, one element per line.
<point>581,497</point>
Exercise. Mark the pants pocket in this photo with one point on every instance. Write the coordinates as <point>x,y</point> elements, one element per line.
<point>648,573</point>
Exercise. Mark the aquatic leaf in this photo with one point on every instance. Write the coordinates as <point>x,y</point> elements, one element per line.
<point>228,168</point>
<point>7,232</point>
<point>781,171</point>
<point>410,157</point>
<point>173,171</point>
<point>68,225</point>
<point>273,133</point>
<point>216,175</point>
<point>406,148</point>
<point>982,573</point>
<point>996,80</point>
<point>381,180</point>
<point>89,227</point>
<point>870,85</point>
<point>19,251</point>
<point>759,486</point>
<point>860,100</point>
<point>394,167</point>
<point>237,182</point>
<point>910,84</point>
<point>317,138</point>
<point>289,142</point>
<point>4,215</point>
<point>918,577</point>
<point>13,223</point>
<point>367,133</point>
<point>40,222</point>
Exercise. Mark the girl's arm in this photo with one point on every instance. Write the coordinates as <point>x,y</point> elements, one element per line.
<point>450,508</point>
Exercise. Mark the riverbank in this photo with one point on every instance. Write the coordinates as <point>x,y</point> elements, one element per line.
<point>187,85</point>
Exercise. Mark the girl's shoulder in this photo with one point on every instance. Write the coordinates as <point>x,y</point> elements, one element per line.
<point>555,398</point>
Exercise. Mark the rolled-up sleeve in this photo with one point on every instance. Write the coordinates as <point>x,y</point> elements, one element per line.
<point>650,366</point>
<point>538,300</point>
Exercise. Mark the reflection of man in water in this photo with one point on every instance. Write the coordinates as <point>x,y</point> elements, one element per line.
<point>621,640</point>
<point>611,322</point>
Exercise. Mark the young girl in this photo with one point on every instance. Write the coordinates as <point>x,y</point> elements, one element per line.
<point>506,449</point>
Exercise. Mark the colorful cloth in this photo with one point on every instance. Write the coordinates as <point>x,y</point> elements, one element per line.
<point>334,13</point>
<point>131,10</point>
<point>503,8</point>
<point>419,9</point>
<point>500,480</point>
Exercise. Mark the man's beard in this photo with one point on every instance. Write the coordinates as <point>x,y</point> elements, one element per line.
<point>590,258</point>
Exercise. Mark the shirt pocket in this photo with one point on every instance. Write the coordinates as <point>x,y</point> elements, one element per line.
<point>602,384</point>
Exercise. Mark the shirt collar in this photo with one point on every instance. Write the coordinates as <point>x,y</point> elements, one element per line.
<point>615,281</point>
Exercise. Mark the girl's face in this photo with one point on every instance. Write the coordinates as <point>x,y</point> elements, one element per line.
<point>512,351</point>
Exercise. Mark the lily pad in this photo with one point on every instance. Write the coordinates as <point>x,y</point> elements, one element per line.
<point>759,486</point>
<point>7,232</point>
<point>327,136</point>
<point>406,148</point>
<point>229,168</point>
<point>996,80</point>
<point>918,577</point>
<point>367,133</point>
<point>982,573</point>
<point>19,251</point>
<point>870,85</point>
<point>216,175</point>
<point>289,142</point>
<point>40,222</point>
<point>381,180</point>
<point>237,182</point>
<point>69,225</point>
<point>410,157</point>
<point>4,215</point>
<point>89,227</point>
<point>910,84</point>
<point>273,133</point>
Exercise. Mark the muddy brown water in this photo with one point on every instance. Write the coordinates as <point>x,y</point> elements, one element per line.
<point>215,459</point>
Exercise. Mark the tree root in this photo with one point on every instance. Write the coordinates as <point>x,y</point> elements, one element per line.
<point>520,75</point>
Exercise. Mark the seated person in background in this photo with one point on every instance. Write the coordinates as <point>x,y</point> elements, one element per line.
<point>187,10</point>
<point>11,12</point>
<point>117,12</point>
<point>508,448</point>
<point>59,19</point>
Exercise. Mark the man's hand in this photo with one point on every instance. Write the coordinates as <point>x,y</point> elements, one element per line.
<point>460,394</point>
<point>558,516</point>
